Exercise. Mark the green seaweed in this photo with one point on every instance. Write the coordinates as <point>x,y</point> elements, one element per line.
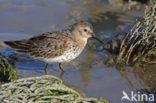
<point>141,38</point>
<point>7,72</point>
<point>44,89</point>
<point>154,34</point>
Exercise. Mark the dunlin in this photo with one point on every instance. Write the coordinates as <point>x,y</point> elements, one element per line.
<point>56,47</point>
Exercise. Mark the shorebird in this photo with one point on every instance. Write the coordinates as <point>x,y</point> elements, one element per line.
<point>58,46</point>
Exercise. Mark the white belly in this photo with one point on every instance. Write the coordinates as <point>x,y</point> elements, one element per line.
<point>66,57</point>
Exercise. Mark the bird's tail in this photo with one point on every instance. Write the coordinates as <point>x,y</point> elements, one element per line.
<point>18,45</point>
<point>12,44</point>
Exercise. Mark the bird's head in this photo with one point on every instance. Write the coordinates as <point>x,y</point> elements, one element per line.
<point>84,29</point>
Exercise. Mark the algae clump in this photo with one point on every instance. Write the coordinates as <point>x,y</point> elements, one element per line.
<point>44,89</point>
<point>7,72</point>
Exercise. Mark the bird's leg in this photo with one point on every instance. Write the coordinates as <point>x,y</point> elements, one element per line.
<point>46,69</point>
<point>60,66</point>
<point>61,75</point>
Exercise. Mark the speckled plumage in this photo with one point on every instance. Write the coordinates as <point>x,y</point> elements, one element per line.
<point>56,47</point>
<point>48,46</point>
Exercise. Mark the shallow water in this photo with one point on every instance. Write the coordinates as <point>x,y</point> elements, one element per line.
<point>21,19</point>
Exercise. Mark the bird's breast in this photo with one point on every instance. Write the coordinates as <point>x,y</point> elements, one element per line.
<point>67,56</point>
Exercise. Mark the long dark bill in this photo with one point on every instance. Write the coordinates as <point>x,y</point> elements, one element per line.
<point>98,40</point>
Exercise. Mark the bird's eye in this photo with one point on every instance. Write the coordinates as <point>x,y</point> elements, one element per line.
<point>85,30</point>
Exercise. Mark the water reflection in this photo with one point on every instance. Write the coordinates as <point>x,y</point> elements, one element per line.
<point>147,75</point>
<point>140,77</point>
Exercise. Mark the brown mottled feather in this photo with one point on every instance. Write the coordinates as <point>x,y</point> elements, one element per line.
<point>47,45</point>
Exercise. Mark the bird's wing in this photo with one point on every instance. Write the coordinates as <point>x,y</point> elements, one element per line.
<point>47,45</point>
